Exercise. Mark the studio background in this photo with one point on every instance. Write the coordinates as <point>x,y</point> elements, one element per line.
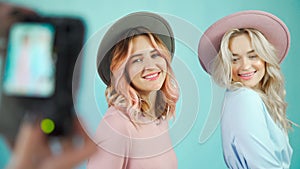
<point>200,14</point>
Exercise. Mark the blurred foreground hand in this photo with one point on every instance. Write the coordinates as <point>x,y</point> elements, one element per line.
<point>33,149</point>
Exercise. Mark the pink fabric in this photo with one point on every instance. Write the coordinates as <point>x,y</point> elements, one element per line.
<point>122,145</point>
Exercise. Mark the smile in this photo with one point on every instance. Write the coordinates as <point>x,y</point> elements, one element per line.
<point>152,76</point>
<point>247,76</point>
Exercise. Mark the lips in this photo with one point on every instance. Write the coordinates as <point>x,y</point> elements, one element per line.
<point>247,76</point>
<point>152,76</point>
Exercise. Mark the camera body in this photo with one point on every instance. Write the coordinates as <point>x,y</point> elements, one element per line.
<point>38,72</point>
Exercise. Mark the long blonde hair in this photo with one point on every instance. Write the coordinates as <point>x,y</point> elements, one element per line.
<point>272,90</point>
<point>123,95</point>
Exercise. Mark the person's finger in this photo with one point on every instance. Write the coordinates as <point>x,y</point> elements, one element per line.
<point>72,157</point>
<point>68,142</point>
<point>75,149</point>
<point>30,146</point>
<point>27,139</point>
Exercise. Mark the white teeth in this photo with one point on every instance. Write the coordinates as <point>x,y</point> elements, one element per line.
<point>247,74</point>
<point>151,76</point>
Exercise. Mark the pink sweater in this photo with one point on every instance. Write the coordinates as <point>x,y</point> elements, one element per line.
<point>121,145</point>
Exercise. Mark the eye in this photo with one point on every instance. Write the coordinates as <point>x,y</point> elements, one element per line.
<point>155,55</point>
<point>253,56</point>
<point>235,59</point>
<point>137,60</point>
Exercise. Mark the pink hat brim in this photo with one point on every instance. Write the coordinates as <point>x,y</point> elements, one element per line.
<point>271,26</point>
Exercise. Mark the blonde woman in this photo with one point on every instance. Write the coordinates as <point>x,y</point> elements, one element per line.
<point>242,52</point>
<point>134,61</point>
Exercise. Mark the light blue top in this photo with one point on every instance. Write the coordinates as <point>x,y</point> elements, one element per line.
<point>251,138</point>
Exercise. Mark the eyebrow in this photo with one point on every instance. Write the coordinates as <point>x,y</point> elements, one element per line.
<point>139,54</point>
<point>251,51</point>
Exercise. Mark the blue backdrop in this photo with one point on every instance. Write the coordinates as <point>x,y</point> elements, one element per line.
<point>189,17</point>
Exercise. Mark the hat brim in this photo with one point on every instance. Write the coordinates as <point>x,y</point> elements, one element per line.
<point>153,22</point>
<point>275,31</point>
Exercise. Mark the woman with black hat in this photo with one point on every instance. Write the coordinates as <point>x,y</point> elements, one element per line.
<point>134,61</point>
<point>242,52</point>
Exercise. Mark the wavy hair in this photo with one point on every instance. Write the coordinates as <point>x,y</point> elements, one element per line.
<point>271,87</point>
<point>124,96</point>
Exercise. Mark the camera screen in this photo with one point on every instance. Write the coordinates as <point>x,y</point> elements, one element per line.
<point>30,64</point>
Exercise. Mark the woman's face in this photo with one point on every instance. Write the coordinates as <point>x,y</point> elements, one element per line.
<point>247,67</point>
<point>146,67</point>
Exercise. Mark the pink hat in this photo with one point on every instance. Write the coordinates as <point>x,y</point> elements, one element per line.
<point>272,28</point>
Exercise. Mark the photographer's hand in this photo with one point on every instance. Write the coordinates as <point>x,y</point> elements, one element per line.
<point>32,150</point>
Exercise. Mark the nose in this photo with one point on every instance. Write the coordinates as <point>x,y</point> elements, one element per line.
<point>149,63</point>
<point>245,64</point>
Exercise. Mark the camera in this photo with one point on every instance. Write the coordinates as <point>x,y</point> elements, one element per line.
<point>38,70</point>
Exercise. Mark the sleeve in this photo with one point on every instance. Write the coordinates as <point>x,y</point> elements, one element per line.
<point>113,143</point>
<point>106,160</point>
<point>251,145</point>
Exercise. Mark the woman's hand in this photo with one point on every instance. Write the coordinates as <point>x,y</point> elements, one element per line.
<point>32,149</point>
